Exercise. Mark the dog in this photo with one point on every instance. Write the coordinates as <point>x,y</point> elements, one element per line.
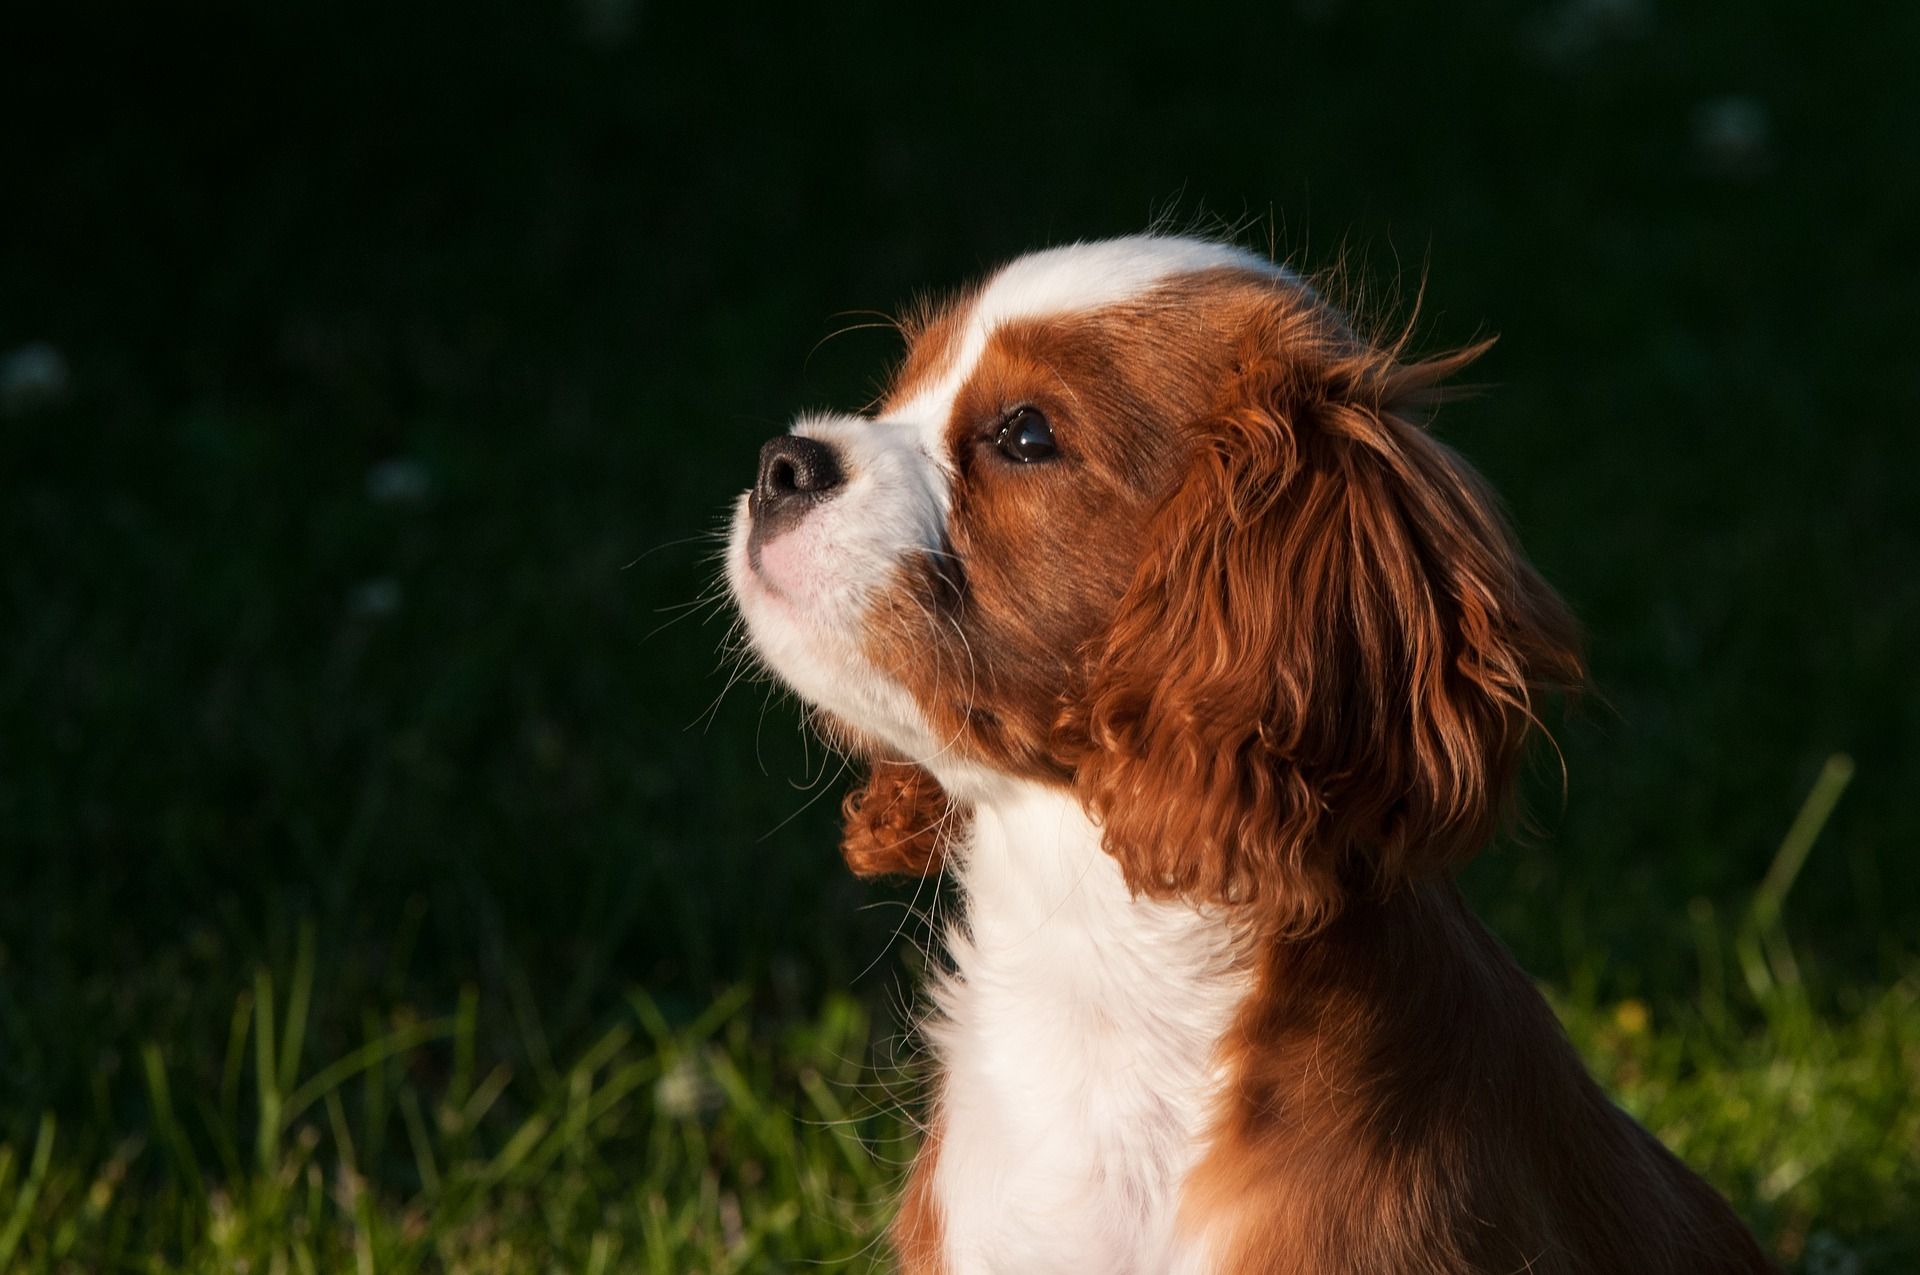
<point>1171,634</point>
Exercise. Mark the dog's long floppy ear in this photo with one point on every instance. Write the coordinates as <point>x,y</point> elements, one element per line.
<point>1322,674</point>
<point>897,823</point>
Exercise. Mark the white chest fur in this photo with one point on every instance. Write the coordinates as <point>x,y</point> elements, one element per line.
<point>1078,1032</point>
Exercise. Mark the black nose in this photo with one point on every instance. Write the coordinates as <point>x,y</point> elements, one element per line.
<point>796,473</point>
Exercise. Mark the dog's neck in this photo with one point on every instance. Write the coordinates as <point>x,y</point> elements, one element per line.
<point>1079,1034</point>
<point>1088,1039</point>
<point>1130,1085</point>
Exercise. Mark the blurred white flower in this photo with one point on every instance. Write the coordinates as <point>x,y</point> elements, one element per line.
<point>399,482</point>
<point>373,599</point>
<point>1733,136</point>
<point>684,1091</point>
<point>33,376</point>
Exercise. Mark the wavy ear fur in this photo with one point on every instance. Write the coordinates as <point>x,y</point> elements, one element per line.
<point>897,823</point>
<point>1323,672</point>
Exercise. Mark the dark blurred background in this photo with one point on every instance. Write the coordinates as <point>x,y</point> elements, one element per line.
<point>376,374</point>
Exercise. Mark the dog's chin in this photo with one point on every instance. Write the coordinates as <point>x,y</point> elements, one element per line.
<point>857,743</point>
<point>810,641</point>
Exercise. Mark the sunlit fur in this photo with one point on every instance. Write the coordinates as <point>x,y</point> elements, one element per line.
<point>894,822</point>
<point>1198,716</point>
<point>1322,672</point>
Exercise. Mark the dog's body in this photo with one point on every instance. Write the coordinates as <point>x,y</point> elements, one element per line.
<point>1200,663</point>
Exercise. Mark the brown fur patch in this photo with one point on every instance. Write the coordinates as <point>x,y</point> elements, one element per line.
<point>1402,1100</point>
<point>918,1231</point>
<point>896,823</point>
<point>993,634</point>
<point>932,330</point>
<point>1323,670</point>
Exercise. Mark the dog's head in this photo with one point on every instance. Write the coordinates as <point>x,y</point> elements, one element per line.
<point>1145,519</point>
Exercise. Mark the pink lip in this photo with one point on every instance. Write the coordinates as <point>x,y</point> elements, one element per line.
<point>751,569</point>
<point>755,582</point>
<point>757,569</point>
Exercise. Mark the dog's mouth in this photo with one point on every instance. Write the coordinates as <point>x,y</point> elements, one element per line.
<point>777,567</point>
<point>754,574</point>
<point>757,590</point>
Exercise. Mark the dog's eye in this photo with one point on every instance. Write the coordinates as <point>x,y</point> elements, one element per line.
<point>1025,436</point>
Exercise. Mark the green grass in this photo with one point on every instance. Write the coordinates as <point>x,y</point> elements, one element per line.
<point>705,1146</point>
<point>385,887</point>
<point>735,1143</point>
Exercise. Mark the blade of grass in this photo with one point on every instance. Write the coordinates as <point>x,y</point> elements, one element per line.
<point>266,1073</point>
<point>423,1161</point>
<point>299,1001</point>
<point>1766,959</point>
<point>234,1059</point>
<point>373,1100</point>
<point>370,1054</point>
<point>29,1192</point>
<point>160,1100</point>
<point>466,1017</point>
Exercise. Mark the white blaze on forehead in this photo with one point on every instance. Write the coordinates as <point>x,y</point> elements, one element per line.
<point>1078,277</point>
<point>1085,276</point>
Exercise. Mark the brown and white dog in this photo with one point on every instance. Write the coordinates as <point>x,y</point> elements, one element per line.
<point>1173,636</point>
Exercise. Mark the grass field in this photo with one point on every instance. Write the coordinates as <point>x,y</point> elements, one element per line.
<point>388,883</point>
